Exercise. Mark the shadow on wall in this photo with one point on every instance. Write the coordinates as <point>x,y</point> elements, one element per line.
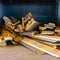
<point>43,13</point>
<point>59,12</point>
<point>1,10</point>
<point>13,10</point>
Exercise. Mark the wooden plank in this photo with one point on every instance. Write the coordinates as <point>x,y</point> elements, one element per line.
<point>31,35</point>
<point>20,28</point>
<point>32,48</point>
<point>27,18</point>
<point>40,46</point>
<point>23,27</point>
<point>47,32</point>
<point>45,38</point>
<point>8,30</point>
<point>31,25</point>
<point>48,38</point>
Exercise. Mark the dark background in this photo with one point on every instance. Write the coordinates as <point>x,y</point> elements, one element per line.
<point>43,10</point>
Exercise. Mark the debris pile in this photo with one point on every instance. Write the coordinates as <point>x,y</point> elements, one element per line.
<point>44,37</point>
<point>28,27</point>
<point>47,29</point>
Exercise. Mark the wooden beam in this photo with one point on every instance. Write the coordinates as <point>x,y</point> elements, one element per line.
<point>31,25</point>
<point>40,46</point>
<point>42,37</point>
